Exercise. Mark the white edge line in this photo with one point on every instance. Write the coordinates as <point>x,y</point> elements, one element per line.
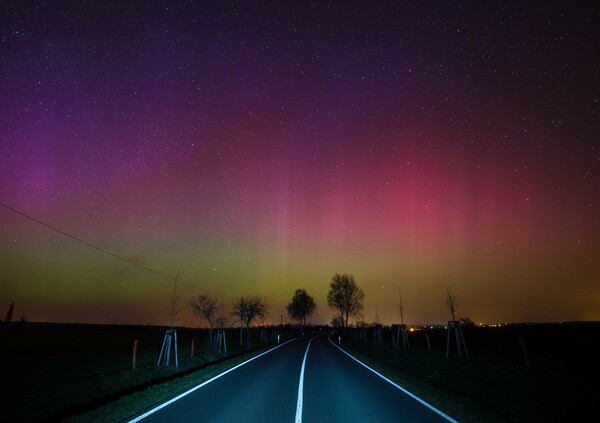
<point>410,394</point>
<point>301,385</point>
<point>178,397</point>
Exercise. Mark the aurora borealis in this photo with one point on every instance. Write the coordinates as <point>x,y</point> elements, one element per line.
<point>258,148</point>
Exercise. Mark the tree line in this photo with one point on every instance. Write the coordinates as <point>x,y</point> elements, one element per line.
<point>344,297</point>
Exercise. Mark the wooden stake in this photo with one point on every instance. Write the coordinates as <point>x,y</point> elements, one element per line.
<point>524,351</point>
<point>461,345</point>
<point>134,355</point>
<point>176,357</point>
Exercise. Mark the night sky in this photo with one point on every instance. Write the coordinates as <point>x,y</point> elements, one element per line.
<point>255,148</point>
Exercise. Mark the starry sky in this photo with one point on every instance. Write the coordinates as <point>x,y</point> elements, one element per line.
<point>253,148</point>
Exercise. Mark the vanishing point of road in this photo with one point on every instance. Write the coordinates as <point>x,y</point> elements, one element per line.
<point>309,379</point>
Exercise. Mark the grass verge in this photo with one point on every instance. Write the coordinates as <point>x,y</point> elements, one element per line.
<point>127,406</point>
<point>69,369</point>
<point>450,401</point>
<point>494,385</point>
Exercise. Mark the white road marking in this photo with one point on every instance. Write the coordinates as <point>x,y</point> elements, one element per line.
<point>431,407</point>
<point>172,400</point>
<point>301,385</point>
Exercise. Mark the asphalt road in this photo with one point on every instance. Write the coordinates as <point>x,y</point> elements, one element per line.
<point>280,386</point>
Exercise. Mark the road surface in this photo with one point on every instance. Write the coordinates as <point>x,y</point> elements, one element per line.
<point>303,380</point>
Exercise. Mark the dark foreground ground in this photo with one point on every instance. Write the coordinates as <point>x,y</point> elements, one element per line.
<point>55,371</point>
<point>494,385</point>
<point>52,371</point>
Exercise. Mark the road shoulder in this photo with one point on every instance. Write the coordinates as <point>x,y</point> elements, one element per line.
<point>127,407</point>
<point>452,403</point>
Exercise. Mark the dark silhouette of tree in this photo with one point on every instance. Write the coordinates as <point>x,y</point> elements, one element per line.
<point>401,308</point>
<point>336,321</point>
<point>206,307</point>
<point>174,306</point>
<point>247,309</point>
<point>345,297</point>
<point>301,307</point>
<point>466,321</point>
<point>451,303</point>
<point>9,313</point>
<point>221,319</point>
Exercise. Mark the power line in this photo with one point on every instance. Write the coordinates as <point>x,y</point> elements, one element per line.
<point>162,275</point>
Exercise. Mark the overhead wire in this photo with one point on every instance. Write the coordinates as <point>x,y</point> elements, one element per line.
<point>103,250</point>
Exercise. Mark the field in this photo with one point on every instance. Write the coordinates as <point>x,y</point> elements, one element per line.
<point>50,371</point>
<point>494,385</point>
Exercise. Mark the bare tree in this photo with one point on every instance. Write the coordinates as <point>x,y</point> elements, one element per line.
<point>301,307</point>
<point>9,313</point>
<point>222,318</point>
<point>402,328</point>
<point>345,297</point>
<point>174,308</point>
<point>206,307</point>
<point>239,310</point>
<point>401,307</point>
<point>247,309</point>
<point>451,303</point>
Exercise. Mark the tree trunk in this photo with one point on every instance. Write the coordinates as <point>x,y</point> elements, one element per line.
<point>248,337</point>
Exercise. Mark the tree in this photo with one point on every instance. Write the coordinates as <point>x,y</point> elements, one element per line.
<point>9,313</point>
<point>174,308</point>
<point>247,309</point>
<point>336,321</point>
<point>401,308</point>
<point>221,319</point>
<point>301,307</point>
<point>206,307</point>
<point>451,303</point>
<point>466,321</point>
<point>345,297</point>
<point>402,327</point>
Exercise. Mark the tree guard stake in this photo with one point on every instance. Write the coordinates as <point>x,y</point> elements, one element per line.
<point>133,358</point>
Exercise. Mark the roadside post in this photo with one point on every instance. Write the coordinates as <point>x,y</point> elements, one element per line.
<point>524,351</point>
<point>377,338</point>
<point>404,332</point>
<point>134,355</point>
<point>454,325</point>
<point>170,339</point>
<point>221,341</point>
